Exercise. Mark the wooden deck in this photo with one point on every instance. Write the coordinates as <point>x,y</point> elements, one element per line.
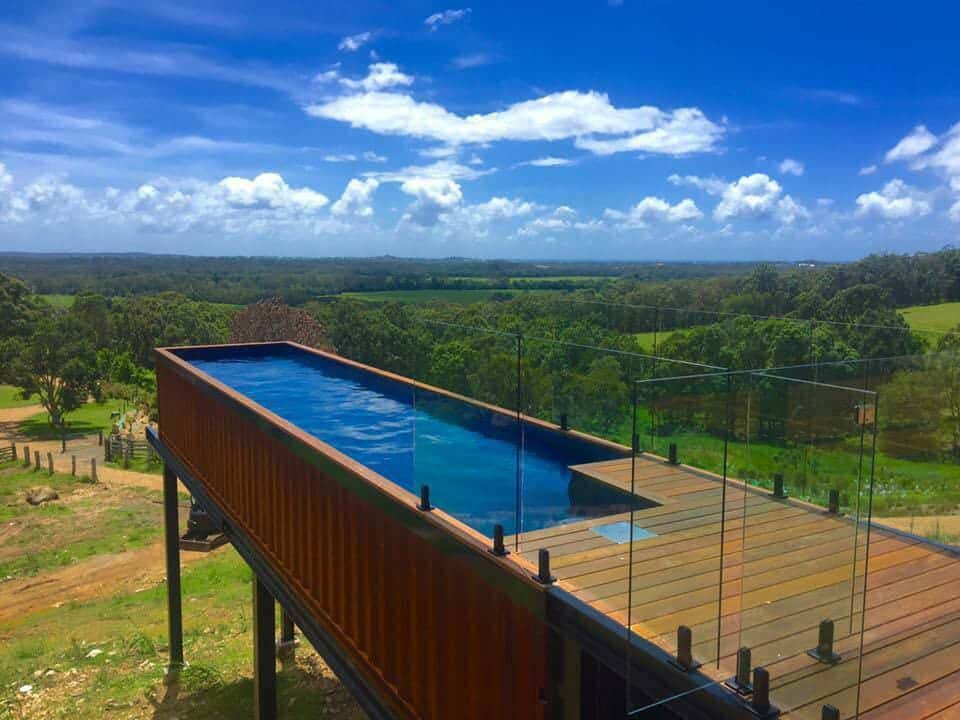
<point>763,574</point>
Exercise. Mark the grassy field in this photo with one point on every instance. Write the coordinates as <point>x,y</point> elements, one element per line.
<point>58,301</point>
<point>10,398</point>
<point>87,520</point>
<point>645,339</point>
<point>87,420</point>
<point>450,296</point>
<point>942,317</point>
<point>105,656</point>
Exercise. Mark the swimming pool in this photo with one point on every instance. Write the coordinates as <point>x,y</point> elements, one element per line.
<point>473,458</point>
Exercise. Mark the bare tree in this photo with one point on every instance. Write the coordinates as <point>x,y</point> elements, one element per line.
<point>272,320</point>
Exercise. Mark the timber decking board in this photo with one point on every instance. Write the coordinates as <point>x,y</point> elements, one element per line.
<point>739,566</point>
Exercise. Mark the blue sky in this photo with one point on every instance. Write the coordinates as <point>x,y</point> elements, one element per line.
<point>608,130</point>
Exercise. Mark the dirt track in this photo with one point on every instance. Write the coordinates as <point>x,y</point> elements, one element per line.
<point>100,576</point>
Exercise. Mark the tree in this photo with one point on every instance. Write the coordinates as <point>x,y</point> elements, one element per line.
<point>58,363</point>
<point>271,320</point>
<point>18,312</point>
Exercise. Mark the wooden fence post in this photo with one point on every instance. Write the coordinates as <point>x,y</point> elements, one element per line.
<point>50,462</point>
<point>26,456</point>
<point>36,459</point>
<point>93,469</point>
<point>127,453</point>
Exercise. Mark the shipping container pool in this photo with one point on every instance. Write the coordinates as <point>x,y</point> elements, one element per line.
<point>480,463</point>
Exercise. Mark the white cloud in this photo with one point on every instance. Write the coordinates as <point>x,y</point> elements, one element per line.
<point>357,198</point>
<point>563,115</point>
<point>439,170</point>
<point>827,95</point>
<point>947,156</point>
<point>446,17</point>
<point>502,208</point>
<point>472,60</point>
<point>710,185</point>
<point>433,197</point>
<point>757,195</point>
<point>340,158</point>
<point>789,166</point>
<point>868,170</point>
<point>824,201</point>
<point>916,143</point>
<point>548,161</point>
<point>352,43</point>
<point>234,205</point>
<point>955,211</point>
<point>896,201</point>
<point>380,75</point>
<point>371,156</point>
<point>270,190</point>
<point>439,151</point>
<point>656,209</point>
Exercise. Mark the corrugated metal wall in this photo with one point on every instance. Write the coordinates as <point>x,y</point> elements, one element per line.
<point>428,618</point>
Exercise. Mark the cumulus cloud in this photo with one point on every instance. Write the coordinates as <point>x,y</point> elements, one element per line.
<point>658,210</point>
<point>269,190</point>
<point>895,201</point>
<point>499,208</point>
<point>789,166</point>
<point>357,198</point>
<point>757,195</point>
<point>946,159</point>
<point>352,43</point>
<point>955,211</point>
<point>232,205</point>
<point>380,76</point>
<point>916,143</point>
<point>433,196</point>
<point>868,170</point>
<point>447,17</point>
<point>586,117</point>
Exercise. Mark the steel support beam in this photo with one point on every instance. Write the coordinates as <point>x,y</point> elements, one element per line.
<point>287,644</point>
<point>264,652</point>
<point>171,526</point>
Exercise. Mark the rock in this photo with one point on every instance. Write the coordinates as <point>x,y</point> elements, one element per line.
<point>26,689</point>
<point>93,653</point>
<point>42,494</point>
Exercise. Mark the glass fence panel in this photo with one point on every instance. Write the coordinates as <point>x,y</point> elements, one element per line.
<point>802,570</point>
<point>677,537</point>
<point>911,643</point>
<point>577,426</point>
<point>466,429</point>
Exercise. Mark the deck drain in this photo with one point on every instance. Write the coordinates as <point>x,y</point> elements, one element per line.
<point>619,532</point>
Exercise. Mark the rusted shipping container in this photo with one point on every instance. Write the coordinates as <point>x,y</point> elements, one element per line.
<point>436,621</point>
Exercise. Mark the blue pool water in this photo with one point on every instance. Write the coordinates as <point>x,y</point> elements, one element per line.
<point>467,455</point>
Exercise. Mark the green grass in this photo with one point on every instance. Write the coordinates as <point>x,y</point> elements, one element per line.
<point>940,318</point>
<point>901,487</point>
<point>57,301</point>
<point>645,339</point>
<point>87,420</point>
<point>69,530</point>
<point>126,680</point>
<point>10,398</point>
<point>449,296</point>
<point>14,480</point>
